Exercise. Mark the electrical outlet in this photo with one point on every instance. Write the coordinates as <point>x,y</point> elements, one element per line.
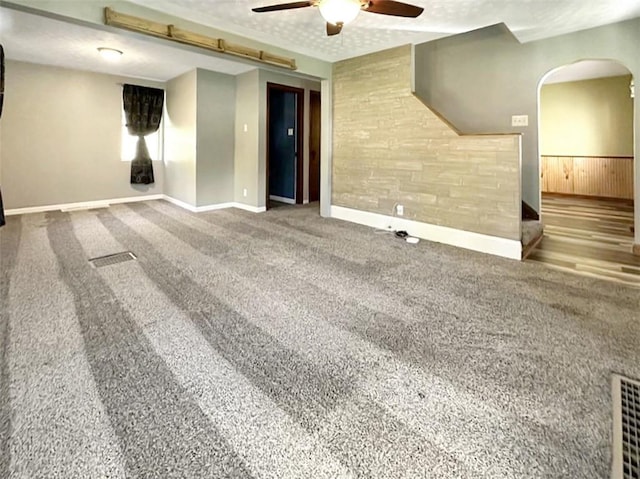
<point>246,128</point>
<point>520,120</point>
<point>244,192</point>
<point>400,210</point>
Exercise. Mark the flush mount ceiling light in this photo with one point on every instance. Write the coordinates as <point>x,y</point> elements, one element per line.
<point>110,54</point>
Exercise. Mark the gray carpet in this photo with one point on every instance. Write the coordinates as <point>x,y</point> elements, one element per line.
<point>284,345</point>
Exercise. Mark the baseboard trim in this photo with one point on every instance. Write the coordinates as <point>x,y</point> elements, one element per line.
<point>282,199</point>
<point>441,234</point>
<point>82,205</point>
<point>217,206</point>
<point>182,204</point>
<point>85,205</point>
<point>253,209</point>
<point>197,209</point>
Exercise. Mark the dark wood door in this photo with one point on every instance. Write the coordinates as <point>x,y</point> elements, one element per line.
<point>314,146</point>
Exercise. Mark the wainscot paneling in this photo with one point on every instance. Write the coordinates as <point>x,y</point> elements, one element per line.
<point>607,177</point>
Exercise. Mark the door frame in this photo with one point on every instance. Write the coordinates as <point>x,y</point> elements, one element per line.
<point>318,94</point>
<point>299,134</point>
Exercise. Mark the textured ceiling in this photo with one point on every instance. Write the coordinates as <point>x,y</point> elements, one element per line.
<point>36,39</point>
<point>303,30</point>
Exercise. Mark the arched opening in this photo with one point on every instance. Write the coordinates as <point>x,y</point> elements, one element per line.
<point>586,153</point>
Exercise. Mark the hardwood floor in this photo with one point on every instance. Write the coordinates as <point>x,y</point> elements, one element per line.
<point>589,236</point>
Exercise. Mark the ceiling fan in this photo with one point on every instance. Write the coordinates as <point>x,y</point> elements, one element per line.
<point>338,13</point>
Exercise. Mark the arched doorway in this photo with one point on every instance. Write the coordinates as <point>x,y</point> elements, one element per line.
<point>586,148</point>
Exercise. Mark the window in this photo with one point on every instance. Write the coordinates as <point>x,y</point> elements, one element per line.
<point>129,143</point>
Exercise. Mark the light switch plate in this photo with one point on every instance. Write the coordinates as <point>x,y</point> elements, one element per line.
<point>520,120</point>
<point>290,132</point>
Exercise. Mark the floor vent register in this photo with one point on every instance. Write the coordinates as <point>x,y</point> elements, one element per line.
<point>111,259</point>
<point>626,428</point>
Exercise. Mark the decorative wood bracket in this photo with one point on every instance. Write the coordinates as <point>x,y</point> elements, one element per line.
<point>170,32</point>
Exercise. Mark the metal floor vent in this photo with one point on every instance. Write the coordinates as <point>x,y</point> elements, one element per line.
<point>110,259</point>
<point>626,428</point>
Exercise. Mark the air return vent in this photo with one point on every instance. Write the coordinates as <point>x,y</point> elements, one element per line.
<point>110,259</point>
<point>626,428</point>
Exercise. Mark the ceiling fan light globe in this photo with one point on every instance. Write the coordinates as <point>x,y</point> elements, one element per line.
<point>339,11</point>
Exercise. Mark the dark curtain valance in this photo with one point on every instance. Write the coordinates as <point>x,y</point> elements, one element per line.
<point>143,112</point>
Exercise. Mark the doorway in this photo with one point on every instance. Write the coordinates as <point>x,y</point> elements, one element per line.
<point>586,145</point>
<point>285,124</point>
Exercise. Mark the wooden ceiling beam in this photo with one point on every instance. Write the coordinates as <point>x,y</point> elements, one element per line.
<point>171,32</point>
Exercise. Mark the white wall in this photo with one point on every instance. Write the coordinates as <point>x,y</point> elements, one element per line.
<point>246,142</point>
<point>180,138</point>
<point>200,138</point>
<point>61,138</point>
<point>587,118</point>
<point>216,104</point>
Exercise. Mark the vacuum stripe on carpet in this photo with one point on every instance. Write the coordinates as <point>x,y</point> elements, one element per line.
<point>162,432</point>
<point>9,241</point>
<point>285,277</point>
<point>301,388</point>
<point>337,427</point>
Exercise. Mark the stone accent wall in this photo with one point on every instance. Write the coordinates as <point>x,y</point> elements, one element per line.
<point>389,148</point>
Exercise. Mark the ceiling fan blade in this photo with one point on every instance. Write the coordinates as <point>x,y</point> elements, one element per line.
<point>282,6</point>
<point>391,7</point>
<point>334,29</point>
